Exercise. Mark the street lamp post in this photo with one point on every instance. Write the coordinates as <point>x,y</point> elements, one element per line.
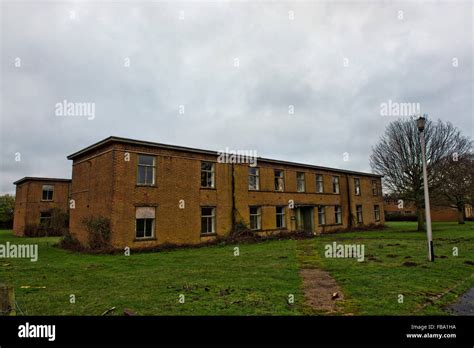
<point>421,127</point>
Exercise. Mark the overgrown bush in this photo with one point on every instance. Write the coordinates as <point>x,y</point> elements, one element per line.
<point>58,225</point>
<point>98,230</point>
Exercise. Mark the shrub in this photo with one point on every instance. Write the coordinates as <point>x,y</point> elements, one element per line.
<point>98,229</point>
<point>57,226</point>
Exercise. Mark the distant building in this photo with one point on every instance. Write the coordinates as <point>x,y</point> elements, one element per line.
<point>156,193</point>
<point>35,198</point>
<point>406,210</point>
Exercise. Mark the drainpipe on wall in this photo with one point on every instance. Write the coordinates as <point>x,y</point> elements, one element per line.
<point>349,201</point>
<point>233,196</point>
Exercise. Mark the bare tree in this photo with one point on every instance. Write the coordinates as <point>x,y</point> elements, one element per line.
<point>397,157</point>
<point>458,183</point>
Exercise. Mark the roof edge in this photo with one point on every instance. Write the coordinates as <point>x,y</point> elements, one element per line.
<point>37,178</point>
<point>112,139</point>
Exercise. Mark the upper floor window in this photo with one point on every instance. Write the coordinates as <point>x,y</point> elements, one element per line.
<point>255,218</point>
<point>280,217</point>
<point>319,183</point>
<point>359,214</point>
<point>279,180</point>
<point>144,222</point>
<point>335,184</point>
<point>377,212</point>
<point>375,188</point>
<point>322,215</point>
<point>207,174</point>
<point>300,184</point>
<point>357,186</point>
<point>338,214</point>
<point>48,191</point>
<point>254,179</point>
<point>208,220</point>
<point>146,170</point>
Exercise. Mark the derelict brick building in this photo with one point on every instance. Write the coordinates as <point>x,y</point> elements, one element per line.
<point>155,193</point>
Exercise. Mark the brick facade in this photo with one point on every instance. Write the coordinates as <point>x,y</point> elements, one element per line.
<point>29,202</point>
<point>104,182</point>
<point>438,213</point>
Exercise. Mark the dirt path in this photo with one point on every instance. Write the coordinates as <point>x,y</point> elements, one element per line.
<point>318,286</point>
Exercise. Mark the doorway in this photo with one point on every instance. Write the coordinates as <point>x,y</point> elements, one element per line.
<point>305,219</point>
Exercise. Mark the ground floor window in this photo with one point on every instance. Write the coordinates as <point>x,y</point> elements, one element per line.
<point>322,215</point>
<point>208,220</point>
<point>338,214</point>
<point>145,222</point>
<point>377,212</point>
<point>359,214</point>
<point>45,219</point>
<point>280,217</point>
<point>255,218</point>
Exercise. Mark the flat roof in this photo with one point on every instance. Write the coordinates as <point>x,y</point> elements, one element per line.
<point>114,139</point>
<point>36,178</point>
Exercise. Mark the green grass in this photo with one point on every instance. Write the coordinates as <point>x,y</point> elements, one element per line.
<point>258,282</point>
<point>373,287</point>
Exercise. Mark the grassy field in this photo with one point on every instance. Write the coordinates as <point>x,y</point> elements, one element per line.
<point>258,282</point>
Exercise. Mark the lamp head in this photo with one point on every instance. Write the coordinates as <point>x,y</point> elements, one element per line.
<point>421,121</point>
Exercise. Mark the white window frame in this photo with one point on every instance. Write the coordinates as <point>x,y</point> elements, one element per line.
<point>335,185</point>
<point>153,166</point>
<point>279,181</point>
<point>377,212</point>
<point>258,216</point>
<point>319,183</point>
<point>47,188</point>
<point>321,213</point>
<point>300,179</point>
<point>357,186</point>
<point>148,214</point>
<point>338,214</point>
<point>361,218</point>
<point>207,217</point>
<point>280,215</point>
<point>255,175</point>
<point>211,172</point>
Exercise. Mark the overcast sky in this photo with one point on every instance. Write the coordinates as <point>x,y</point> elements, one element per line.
<point>238,68</point>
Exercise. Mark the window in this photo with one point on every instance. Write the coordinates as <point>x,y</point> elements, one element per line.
<point>208,220</point>
<point>319,183</point>
<point>377,212</point>
<point>279,180</point>
<point>146,170</point>
<point>48,191</point>
<point>45,219</point>
<point>300,185</point>
<point>338,214</point>
<point>335,184</point>
<point>280,217</point>
<point>357,186</point>
<point>375,190</point>
<point>144,222</point>
<point>254,180</point>
<point>359,214</point>
<point>207,174</point>
<point>255,218</point>
<point>322,215</point>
